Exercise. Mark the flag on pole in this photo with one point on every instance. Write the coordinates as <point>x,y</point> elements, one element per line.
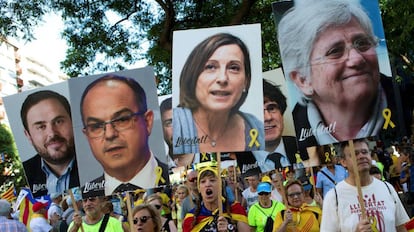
<point>26,202</point>
<point>9,194</point>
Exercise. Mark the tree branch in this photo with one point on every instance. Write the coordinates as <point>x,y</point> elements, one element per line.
<point>127,16</point>
<point>243,11</point>
<point>165,40</point>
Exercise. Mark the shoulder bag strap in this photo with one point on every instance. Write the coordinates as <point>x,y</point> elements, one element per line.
<point>104,222</point>
<point>330,178</point>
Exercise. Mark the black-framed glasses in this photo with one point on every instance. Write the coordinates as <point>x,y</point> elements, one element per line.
<point>142,219</point>
<point>271,107</point>
<point>340,51</point>
<point>98,129</point>
<point>296,194</point>
<point>263,193</point>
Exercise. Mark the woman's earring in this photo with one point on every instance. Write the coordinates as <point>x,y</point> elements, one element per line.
<point>244,90</point>
<point>310,92</point>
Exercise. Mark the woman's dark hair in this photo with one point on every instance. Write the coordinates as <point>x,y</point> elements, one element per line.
<point>195,64</point>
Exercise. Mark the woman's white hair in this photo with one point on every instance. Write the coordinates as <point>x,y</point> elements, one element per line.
<point>302,24</point>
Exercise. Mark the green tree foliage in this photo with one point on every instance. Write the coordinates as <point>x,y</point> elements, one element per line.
<point>108,35</point>
<point>148,25</point>
<point>17,18</point>
<point>10,165</point>
<point>398,21</point>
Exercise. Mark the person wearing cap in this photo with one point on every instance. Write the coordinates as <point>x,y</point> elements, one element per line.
<point>311,198</point>
<point>67,215</point>
<point>54,213</point>
<point>298,216</point>
<point>263,209</point>
<point>6,223</point>
<point>39,223</point>
<point>205,216</point>
<point>94,219</point>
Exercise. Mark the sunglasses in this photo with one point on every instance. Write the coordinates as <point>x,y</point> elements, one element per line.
<point>263,193</point>
<point>157,206</point>
<point>142,219</point>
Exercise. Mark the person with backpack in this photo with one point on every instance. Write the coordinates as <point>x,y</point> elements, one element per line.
<point>261,214</point>
<point>341,208</point>
<point>298,216</point>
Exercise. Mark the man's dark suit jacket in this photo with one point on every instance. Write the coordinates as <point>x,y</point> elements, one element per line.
<point>99,189</point>
<point>37,178</point>
<point>291,148</point>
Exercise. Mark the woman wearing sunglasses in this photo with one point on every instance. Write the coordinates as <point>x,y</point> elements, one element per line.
<point>205,216</point>
<point>298,216</point>
<point>167,224</point>
<point>146,218</point>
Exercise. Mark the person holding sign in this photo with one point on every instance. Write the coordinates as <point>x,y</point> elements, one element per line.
<point>117,125</point>
<point>328,53</point>
<point>214,83</point>
<point>341,208</point>
<point>47,120</point>
<point>94,219</point>
<point>205,216</point>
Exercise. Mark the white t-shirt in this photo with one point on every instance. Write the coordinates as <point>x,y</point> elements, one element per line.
<point>40,224</point>
<point>275,195</point>
<point>251,197</point>
<point>342,213</point>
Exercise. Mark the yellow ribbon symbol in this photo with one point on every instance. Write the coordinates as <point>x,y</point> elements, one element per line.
<point>298,159</point>
<point>253,134</point>
<point>158,173</point>
<point>204,157</point>
<point>373,221</point>
<point>327,157</point>
<point>386,113</point>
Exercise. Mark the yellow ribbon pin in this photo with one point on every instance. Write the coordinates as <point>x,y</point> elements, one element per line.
<point>253,135</point>
<point>386,113</point>
<point>327,157</point>
<point>298,159</point>
<point>158,173</point>
<point>204,157</point>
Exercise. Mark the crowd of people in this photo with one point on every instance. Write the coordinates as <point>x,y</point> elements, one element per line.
<point>278,200</point>
<point>362,184</point>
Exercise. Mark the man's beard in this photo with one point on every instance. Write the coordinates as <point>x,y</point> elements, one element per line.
<point>67,155</point>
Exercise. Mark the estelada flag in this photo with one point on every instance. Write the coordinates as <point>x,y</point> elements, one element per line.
<point>9,194</point>
<point>25,203</point>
